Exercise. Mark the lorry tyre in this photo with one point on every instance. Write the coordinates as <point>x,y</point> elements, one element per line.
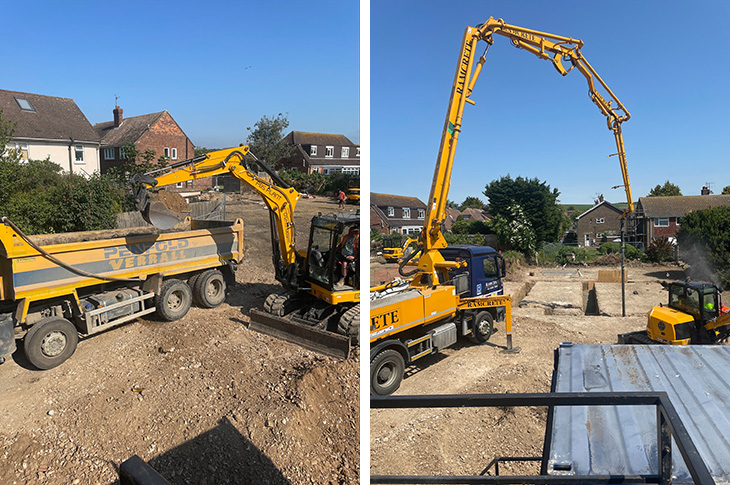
<point>210,289</point>
<point>174,300</point>
<point>386,372</point>
<point>50,342</point>
<point>482,327</point>
<point>349,324</point>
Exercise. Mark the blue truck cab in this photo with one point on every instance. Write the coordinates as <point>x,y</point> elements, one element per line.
<point>485,269</point>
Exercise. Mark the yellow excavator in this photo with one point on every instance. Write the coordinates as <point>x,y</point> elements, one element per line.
<point>394,253</point>
<point>694,315</point>
<point>458,290</point>
<point>321,307</point>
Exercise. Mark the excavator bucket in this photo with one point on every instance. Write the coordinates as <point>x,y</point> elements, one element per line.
<point>311,338</point>
<point>166,209</point>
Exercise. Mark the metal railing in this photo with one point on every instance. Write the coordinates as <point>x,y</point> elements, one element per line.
<point>669,426</point>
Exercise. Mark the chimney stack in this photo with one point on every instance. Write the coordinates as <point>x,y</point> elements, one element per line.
<point>705,191</point>
<point>117,116</point>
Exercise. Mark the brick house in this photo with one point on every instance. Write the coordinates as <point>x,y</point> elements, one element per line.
<point>657,217</point>
<point>468,214</point>
<point>323,153</point>
<point>601,223</point>
<point>53,128</point>
<point>158,132</point>
<point>396,213</point>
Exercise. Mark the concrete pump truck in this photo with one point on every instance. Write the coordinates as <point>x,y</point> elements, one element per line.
<point>457,290</point>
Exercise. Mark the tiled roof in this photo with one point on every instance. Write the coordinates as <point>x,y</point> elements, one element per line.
<point>387,200</point>
<point>604,203</point>
<point>129,131</point>
<point>53,119</point>
<point>308,138</point>
<point>677,206</point>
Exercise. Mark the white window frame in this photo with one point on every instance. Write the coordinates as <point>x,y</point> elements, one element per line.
<point>345,152</point>
<point>79,149</point>
<point>600,220</point>
<point>173,153</point>
<point>19,146</point>
<point>313,150</point>
<point>179,185</point>
<point>329,152</point>
<point>122,153</point>
<point>421,213</point>
<point>357,151</point>
<point>406,212</point>
<point>325,171</point>
<point>109,154</point>
<point>659,222</point>
<point>391,211</point>
<point>166,152</point>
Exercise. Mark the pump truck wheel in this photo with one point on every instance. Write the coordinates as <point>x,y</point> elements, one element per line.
<point>50,342</point>
<point>386,372</point>
<point>174,300</point>
<point>482,327</point>
<point>209,290</point>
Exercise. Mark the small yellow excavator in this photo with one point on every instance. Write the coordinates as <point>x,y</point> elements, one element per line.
<point>458,290</point>
<point>694,315</point>
<point>318,311</point>
<point>393,253</point>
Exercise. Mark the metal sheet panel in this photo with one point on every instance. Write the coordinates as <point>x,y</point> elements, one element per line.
<point>623,440</point>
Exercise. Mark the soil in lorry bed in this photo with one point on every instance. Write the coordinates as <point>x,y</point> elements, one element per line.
<point>202,399</point>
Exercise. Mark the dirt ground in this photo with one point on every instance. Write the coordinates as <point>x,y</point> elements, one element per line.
<point>202,399</point>
<point>548,308</point>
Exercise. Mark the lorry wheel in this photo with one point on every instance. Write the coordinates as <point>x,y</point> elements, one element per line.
<point>482,327</point>
<point>50,342</point>
<point>386,372</point>
<point>174,300</point>
<point>210,289</point>
<point>349,324</point>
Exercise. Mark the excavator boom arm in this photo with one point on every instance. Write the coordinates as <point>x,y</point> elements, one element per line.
<point>278,197</point>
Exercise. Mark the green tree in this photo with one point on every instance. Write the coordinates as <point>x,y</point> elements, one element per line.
<point>203,150</point>
<point>537,203</point>
<point>451,204</point>
<point>666,190</point>
<point>472,203</point>
<point>726,190</point>
<point>7,129</point>
<point>513,227</point>
<point>704,243</point>
<point>266,140</point>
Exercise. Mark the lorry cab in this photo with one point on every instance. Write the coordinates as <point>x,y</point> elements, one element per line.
<point>484,269</point>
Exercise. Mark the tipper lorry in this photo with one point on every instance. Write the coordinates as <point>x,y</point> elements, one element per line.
<point>56,287</point>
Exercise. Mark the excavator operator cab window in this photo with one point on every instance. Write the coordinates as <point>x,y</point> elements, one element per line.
<point>709,304</point>
<point>319,267</point>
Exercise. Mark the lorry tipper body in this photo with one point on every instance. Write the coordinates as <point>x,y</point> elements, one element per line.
<point>55,287</point>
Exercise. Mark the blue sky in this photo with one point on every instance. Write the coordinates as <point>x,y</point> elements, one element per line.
<point>667,61</point>
<point>216,66</point>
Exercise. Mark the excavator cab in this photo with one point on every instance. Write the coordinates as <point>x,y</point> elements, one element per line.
<point>332,239</point>
<point>691,317</point>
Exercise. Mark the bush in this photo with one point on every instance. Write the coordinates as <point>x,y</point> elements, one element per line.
<point>561,254</point>
<point>40,199</point>
<point>659,250</point>
<point>615,248</point>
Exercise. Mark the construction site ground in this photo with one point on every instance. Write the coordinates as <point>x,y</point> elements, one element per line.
<point>202,399</point>
<point>549,306</point>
